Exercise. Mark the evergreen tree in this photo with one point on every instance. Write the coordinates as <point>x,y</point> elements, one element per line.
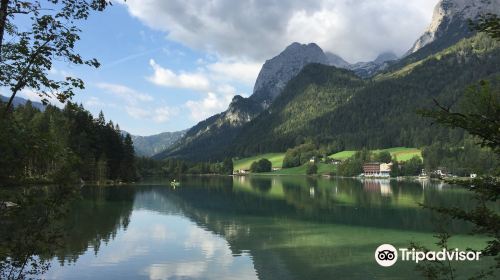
<point>102,169</point>
<point>128,168</point>
<point>227,166</point>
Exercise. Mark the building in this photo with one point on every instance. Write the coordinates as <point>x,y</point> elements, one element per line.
<point>241,172</point>
<point>385,169</point>
<point>376,169</point>
<point>371,169</point>
<point>334,161</point>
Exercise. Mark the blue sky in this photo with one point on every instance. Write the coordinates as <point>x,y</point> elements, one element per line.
<point>167,65</point>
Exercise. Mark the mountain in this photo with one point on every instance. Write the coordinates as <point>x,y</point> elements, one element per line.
<point>335,108</point>
<point>219,130</point>
<point>148,146</point>
<point>370,69</point>
<point>337,61</point>
<point>290,104</point>
<point>385,57</point>
<point>276,72</point>
<point>449,25</point>
<point>19,101</point>
<point>339,110</point>
<point>363,69</point>
<point>215,132</point>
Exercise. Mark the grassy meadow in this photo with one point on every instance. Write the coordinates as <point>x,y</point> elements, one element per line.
<point>401,153</point>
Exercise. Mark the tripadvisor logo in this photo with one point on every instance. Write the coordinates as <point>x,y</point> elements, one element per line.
<point>387,255</point>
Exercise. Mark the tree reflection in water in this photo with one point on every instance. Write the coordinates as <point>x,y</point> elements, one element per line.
<point>32,230</point>
<point>59,222</point>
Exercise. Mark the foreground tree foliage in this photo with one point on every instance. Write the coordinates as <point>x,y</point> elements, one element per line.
<point>479,116</point>
<point>27,55</point>
<point>37,146</point>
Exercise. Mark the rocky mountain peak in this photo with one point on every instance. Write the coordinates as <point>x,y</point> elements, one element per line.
<point>277,71</point>
<point>337,61</point>
<point>384,57</point>
<point>450,13</point>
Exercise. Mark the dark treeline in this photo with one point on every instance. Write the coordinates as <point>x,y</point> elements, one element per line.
<point>148,167</point>
<point>462,159</point>
<point>62,144</point>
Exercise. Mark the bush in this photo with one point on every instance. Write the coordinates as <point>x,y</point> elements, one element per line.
<point>311,169</point>
<point>384,157</point>
<point>413,167</point>
<point>350,167</point>
<point>263,165</point>
<point>299,155</point>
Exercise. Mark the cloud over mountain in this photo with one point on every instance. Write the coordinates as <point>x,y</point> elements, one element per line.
<point>255,30</point>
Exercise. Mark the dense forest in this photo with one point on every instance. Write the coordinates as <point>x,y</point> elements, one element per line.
<point>62,144</point>
<point>173,168</point>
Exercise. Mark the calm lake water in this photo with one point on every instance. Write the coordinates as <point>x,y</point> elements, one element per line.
<point>253,228</point>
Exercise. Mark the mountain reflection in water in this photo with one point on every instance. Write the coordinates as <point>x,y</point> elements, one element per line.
<point>252,228</point>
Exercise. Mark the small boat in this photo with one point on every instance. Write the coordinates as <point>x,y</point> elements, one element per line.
<point>174,184</point>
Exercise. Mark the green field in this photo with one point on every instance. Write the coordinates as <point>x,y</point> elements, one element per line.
<point>342,155</point>
<point>275,158</point>
<point>323,168</point>
<point>401,153</point>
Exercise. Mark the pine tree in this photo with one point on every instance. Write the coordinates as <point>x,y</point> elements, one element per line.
<point>102,169</point>
<point>227,166</point>
<point>128,167</point>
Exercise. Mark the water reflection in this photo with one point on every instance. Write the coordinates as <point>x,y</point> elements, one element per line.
<point>249,228</point>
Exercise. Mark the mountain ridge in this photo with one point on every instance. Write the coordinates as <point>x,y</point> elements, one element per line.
<point>219,130</point>
<point>151,145</point>
<point>19,101</point>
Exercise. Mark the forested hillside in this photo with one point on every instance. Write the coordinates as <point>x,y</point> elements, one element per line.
<point>62,144</point>
<point>322,105</point>
<point>337,110</point>
<point>151,145</point>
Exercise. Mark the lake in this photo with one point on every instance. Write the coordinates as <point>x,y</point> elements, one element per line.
<point>254,228</point>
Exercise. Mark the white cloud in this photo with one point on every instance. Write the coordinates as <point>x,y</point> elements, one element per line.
<point>211,80</point>
<point>94,102</point>
<point>130,95</point>
<point>211,104</point>
<point>159,114</point>
<point>168,78</point>
<point>137,113</point>
<point>258,29</point>
<point>163,114</point>
<point>60,73</point>
<point>245,72</point>
<point>137,104</point>
<point>31,95</point>
<point>194,269</point>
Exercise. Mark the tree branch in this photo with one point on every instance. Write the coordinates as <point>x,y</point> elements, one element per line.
<point>21,82</point>
<point>3,20</point>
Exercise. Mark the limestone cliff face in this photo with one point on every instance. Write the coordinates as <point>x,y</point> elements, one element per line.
<point>277,71</point>
<point>453,14</point>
